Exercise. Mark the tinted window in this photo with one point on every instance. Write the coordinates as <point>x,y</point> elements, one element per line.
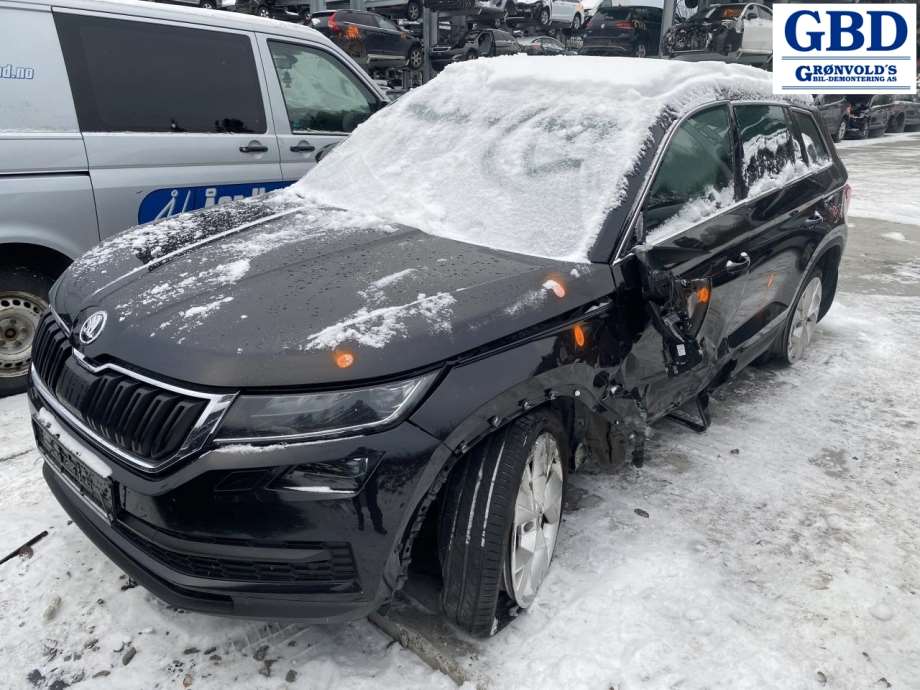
<point>814,144</point>
<point>696,175</point>
<point>130,76</point>
<point>319,92</point>
<point>767,146</point>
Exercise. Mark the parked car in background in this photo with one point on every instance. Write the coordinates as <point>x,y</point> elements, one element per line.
<point>372,40</point>
<point>736,32</point>
<point>474,44</point>
<point>208,106</point>
<point>629,30</point>
<point>208,4</point>
<point>870,116</point>
<point>271,410</point>
<point>410,9</point>
<point>283,10</point>
<point>548,13</point>
<point>835,114</point>
<point>541,45</point>
<point>911,107</point>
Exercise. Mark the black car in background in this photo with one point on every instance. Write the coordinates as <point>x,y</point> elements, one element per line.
<point>911,109</point>
<point>871,116</point>
<point>375,42</point>
<point>273,408</point>
<point>541,45</point>
<point>473,45</point>
<point>835,113</point>
<point>617,30</point>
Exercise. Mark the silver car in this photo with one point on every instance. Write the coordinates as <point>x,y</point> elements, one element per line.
<point>115,114</point>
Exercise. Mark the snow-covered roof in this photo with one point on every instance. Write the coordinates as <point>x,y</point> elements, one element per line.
<point>525,154</point>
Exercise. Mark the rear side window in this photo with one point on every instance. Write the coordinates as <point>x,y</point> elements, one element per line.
<point>767,145</point>
<point>696,176</point>
<point>320,93</point>
<point>130,76</point>
<point>815,149</point>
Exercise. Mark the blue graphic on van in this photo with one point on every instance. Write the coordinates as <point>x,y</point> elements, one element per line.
<point>163,203</point>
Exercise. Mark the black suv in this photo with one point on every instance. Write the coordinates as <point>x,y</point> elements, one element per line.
<point>472,45</point>
<point>269,408</point>
<point>616,30</point>
<point>375,42</point>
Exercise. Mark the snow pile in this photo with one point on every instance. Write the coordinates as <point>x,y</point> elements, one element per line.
<point>518,153</point>
<point>376,327</point>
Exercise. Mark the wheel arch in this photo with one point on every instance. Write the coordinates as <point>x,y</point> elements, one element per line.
<point>829,263</point>
<point>50,261</point>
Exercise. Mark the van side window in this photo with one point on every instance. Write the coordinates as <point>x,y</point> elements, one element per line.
<point>131,76</point>
<point>320,94</point>
<point>814,144</point>
<point>767,144</point>
<point>696,175</point>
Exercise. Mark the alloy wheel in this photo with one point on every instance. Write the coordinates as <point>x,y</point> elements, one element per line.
<point>641,50</point>
<point>842,130</point>
<point>804,320</point>
<point>19,316</point>
<point>537,515</point>
<point>416,57</point>
<point>544,16</point>
<point>413,11</point>
<point>263,11</point>
<point>576,23</point>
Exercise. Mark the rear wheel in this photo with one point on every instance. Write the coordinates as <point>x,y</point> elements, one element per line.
<point>208,4</point>
<point>640,50</point>
<point>500,521</point>
<point>413,10</point>
<point>576,23</point>
<point>23,299</point>
<point>800,327</point>
<point>263,11</point>
<point>415,58</point>
<point>898,125</point>
<point>544,16</point>
<point>841,130</point>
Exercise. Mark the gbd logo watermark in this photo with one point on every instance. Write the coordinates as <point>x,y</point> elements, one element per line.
<point>844,48</point>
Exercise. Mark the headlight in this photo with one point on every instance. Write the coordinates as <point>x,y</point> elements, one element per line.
<point>320,415</point>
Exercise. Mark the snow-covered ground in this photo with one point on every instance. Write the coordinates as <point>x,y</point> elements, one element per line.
<point>781,549</point>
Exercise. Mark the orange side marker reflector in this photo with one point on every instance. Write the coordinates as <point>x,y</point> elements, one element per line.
<point>579,334</point>
<point>703,295</point>
<point>770,279</point>
<point>557,287</point>
<point>343,360</point>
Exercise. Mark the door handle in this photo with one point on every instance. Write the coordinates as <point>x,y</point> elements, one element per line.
<point>254,146</point>
<point>738,266</point>
<point>303,146</point>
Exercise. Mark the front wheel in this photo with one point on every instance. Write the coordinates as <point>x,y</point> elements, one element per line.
<point>545,17</point>
<point>500,521</point>
<point>576,23</point>
<point>23,299</point>
<point>263,11</point>
<point>640,50</point>
<point>841,132</point>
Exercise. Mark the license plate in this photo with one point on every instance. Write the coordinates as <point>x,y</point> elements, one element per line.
<point>98,491</point>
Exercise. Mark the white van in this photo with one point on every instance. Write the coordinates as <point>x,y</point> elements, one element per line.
<point>114,114</point>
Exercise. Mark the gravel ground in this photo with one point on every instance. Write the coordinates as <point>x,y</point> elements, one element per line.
<point>781,549</point>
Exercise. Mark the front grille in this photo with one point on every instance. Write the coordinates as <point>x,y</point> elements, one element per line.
<point>141,419</point>
<point>333,565</point>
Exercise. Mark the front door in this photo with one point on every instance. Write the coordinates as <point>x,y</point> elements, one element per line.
<point>317,100</point>
<point>694,267</point>
<point>174,117</point>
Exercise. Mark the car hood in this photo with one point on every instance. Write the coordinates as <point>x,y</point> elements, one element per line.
<point>269,293</point>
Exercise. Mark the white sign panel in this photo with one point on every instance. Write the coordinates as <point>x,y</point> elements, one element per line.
<point>844,48</point>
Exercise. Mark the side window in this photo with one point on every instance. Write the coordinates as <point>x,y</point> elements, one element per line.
<point>124,77</point>
<point>320,94</point>
<point>814,144</point>
<point>696,175</point>
<point>767,146</point>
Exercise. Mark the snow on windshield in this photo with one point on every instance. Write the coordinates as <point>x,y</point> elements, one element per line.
<point>524,154</point>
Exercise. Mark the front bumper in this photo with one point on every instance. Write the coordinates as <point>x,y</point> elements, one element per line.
<point>226,533</point>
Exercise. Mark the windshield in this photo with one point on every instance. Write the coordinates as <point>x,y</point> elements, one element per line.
<point>726,12</point>
<point>518,153</point>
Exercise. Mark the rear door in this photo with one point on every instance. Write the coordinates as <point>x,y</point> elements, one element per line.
<point>317,100</point>
<point>693,246</point>
<point>174,117</point>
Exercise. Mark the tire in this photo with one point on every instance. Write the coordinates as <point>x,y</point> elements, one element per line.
<point>208,5</point>
<point>640,50</point>
<point>863,131</point>
<point>477,533</point>
<point>413,10</point>
<point>545,18</point>
<point>263,11</point>
<point>841,132</point>
<point>471,55</point>
<point>23,298</point>
<point>415,60</point>
<point>898,126</point>
<point>803,318</point>
<point>576,24</point>
<point>873,133</point>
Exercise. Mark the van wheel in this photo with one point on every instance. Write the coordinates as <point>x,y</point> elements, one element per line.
<point>413,10</point>
<point>23,299</point>
<point>576,23</point>
<point>500,520</point>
